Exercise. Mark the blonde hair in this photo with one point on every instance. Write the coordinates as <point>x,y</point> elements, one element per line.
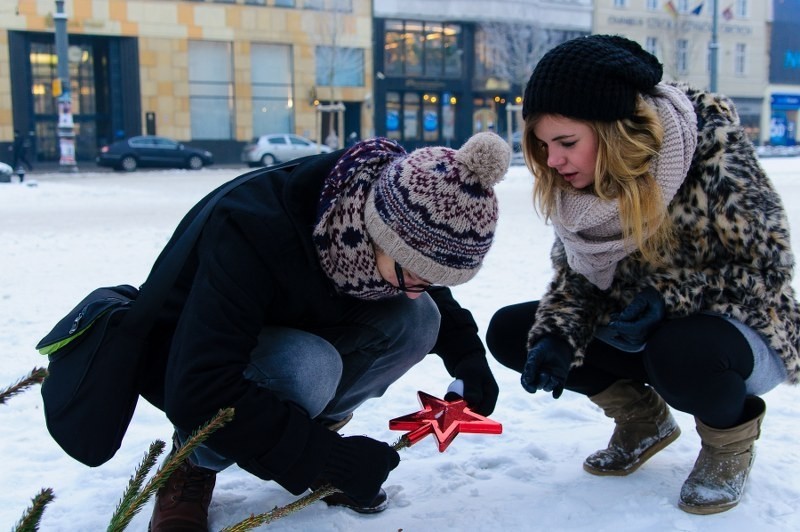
<point>625,149</point>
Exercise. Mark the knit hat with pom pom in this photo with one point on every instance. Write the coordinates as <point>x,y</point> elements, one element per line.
<point>434,210</point>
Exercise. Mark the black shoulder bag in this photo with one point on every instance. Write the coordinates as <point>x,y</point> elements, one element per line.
<point>96,352</point>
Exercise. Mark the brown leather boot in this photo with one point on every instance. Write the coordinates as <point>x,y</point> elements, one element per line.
<point>643,427</point>
<point>181,504</point>
<point>717,480</point>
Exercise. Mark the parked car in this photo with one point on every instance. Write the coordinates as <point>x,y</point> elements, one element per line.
<point>516,149</point>
<point>5,172</point>
<point>267,150</point>
<point>151,150</point>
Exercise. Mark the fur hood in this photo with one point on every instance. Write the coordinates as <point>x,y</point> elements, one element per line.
<point>733,255</point>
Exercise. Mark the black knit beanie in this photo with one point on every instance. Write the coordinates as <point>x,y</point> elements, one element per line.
<point>591,78</point>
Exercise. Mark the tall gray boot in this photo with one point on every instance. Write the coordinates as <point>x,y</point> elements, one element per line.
<point>644,426</point>
<point>717,481</point>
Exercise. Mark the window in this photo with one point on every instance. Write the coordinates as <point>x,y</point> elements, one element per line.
<point>422,49</point>
<point>393,115</point>
<point>739,59</point>
<point>314,4</point>
<point>338,66</point>
<point>342,6</point>
<point>211,90</point>
<point>620,3</point>
<point>271,79</point>
<point>411,116</point>
<point>284,3</point>
<point>683,6</point>
<point>651,46</point>
<point>682,55</point>
<point>740,9</point>
<point>652,5</point>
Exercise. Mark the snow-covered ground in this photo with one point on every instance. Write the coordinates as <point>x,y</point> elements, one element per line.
<point>72,233</point>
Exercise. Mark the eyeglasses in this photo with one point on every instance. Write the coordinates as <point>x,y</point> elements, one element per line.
<point>401,282</point>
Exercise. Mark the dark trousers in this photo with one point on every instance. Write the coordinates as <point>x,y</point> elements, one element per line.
<point>698,364</point>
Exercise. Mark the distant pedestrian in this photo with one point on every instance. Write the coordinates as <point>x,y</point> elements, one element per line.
<point>20,152</point>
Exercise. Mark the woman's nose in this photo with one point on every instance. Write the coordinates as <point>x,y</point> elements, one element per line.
<point>554,159</point>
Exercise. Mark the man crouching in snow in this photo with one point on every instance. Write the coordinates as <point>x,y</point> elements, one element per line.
<point>311,290</point>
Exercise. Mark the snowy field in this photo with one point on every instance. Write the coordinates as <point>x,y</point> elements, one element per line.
<point>72,233</point>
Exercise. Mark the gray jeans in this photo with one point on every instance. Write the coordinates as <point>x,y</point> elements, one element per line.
<point>330,371</point>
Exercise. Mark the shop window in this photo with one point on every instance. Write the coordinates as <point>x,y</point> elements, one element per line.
<point>430,117</point>
<point>393,110</point>
<point>393,49</point>
<point>211,90</point>
<point>273,104</point>
<point>411,125</point>
<point>423,49</point>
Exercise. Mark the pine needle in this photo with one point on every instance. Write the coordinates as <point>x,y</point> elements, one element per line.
<point>125,508</point>
<point>33,515</point>
<point>125,513</point>
<point>36,376</point>
<point>276,513</point>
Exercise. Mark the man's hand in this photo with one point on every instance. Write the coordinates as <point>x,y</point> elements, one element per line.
<point>359,465</point>
<point>480,388</point>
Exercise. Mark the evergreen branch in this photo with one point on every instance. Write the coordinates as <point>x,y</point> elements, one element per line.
<point>36,376</point>
<point>276,513</point>
<point>119,522</point>
<point>33,515</point>
<point>124,513</point>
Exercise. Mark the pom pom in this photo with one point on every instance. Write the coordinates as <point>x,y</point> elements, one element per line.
<point>487,156</point>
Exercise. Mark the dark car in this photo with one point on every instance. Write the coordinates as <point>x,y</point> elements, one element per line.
<point>150,150</point>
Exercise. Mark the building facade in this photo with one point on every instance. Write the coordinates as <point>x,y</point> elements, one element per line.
<point>679,33</point>
<point>212,72</point>
<point>447,69</point>
<point>781,121</point>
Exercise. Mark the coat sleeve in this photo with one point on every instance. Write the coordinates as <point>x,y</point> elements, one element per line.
<point>217,331</point>
<point>458,333</point>
<point>569,308</point>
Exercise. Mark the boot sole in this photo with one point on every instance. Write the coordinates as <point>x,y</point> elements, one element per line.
<point>671,437</point>
<point>706,510</point>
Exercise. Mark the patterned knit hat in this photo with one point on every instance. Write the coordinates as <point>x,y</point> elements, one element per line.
<point>434,211</point>
<point>591,78</point>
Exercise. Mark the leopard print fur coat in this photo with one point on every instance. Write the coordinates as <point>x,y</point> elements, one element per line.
<point>733,256</point>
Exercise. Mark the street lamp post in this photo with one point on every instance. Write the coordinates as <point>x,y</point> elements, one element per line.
<point>713,48</point>
<point>66,127</point>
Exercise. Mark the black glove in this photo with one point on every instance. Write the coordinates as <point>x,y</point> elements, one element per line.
<point>635,323</point>
<point>547,366</point>
<point>480,388</point>
<point>359,465</point>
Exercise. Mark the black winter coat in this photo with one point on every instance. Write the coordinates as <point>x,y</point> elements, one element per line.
<point>255,265</point>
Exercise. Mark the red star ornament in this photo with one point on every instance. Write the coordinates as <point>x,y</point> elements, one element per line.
<point>445,419</point>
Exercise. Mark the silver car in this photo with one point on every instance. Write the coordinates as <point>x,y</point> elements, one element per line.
<point>267,150</point>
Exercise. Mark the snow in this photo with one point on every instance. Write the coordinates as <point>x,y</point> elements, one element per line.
<point>71,233</point>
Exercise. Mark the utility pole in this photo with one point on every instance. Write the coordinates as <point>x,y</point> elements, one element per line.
<point>66,127</point>
<point>713,48</point>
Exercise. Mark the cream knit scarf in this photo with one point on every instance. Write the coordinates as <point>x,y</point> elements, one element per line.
<point>590,227</point>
